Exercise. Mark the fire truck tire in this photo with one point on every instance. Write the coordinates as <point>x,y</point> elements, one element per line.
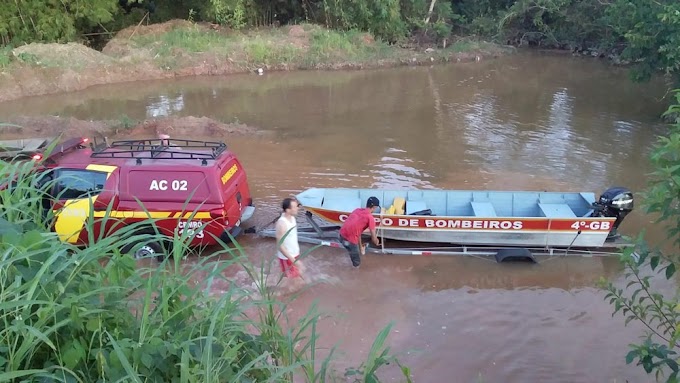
<point>147,248</point>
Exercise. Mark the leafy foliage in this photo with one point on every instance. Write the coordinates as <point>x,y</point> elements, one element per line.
<point>651,32</point>
<point>231,13</point>
<point>382,18</point>
<point>38,20</point>
<point>644,33</point>
<point>640,301</point>
<point>553,23</point>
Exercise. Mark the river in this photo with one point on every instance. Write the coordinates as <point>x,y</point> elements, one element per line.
<point>527,121</point>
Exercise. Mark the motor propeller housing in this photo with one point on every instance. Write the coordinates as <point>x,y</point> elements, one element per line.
<point>614,202</point>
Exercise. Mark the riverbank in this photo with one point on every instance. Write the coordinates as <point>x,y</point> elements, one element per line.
<point>52,126</point>
<point>181,48</point>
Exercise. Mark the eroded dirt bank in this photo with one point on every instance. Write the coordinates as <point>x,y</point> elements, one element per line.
<point>177,127</point>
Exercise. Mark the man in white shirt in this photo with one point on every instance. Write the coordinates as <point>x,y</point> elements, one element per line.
<point>288,249</point>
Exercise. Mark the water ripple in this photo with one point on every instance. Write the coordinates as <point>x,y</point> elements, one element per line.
<point>393,172</point>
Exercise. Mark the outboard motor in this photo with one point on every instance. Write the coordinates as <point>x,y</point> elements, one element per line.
<point>614,202</point>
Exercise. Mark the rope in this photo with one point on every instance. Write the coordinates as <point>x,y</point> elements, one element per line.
<point>382,233</point>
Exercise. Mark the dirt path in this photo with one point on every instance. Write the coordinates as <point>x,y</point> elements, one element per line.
<point>179,48</point>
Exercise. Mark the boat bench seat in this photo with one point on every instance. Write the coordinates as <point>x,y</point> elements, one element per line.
<point>413,206</point>
<point>483,209</point>
<point>556,210</point>
<point>341,204</point>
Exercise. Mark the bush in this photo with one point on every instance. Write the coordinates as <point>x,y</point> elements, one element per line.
<point>640,301</point>
<point>37,20</point>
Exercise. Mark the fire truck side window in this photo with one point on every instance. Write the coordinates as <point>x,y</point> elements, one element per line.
<point>44,178</point>
<point>44,183</point>
<point>74,184</point>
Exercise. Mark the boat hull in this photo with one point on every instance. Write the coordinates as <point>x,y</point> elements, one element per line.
<point>501,231</point>
<point>480,217</point>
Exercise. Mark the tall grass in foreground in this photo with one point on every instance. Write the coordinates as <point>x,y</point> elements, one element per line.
<point>91,314</point>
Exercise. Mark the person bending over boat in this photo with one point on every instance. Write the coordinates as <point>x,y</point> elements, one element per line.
<point>288,248</point>
<point>358,221</point>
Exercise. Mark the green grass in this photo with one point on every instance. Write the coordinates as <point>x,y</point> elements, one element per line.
<point>270,52</point>
<point>172,48</point>
<point>87,314</point>
<point>5,56</point>
<point>274,48</point>
<point>196,41</point>
<point>462,46</point>
<point>327,46</point>
<point>125,122</point>
<point>29,58</point>
<point>244,49</point>
<point>468,45</point>
<point>271,47</point>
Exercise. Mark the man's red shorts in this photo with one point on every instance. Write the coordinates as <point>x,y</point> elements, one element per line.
<point>288,268</point>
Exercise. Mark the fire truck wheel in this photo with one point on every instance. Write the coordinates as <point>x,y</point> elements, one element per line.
<point>151,249</point>
<point>145,249</point>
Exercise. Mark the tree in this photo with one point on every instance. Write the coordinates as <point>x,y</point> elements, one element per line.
<point>640,301</point>
<point>651,33</point>
<point>51,21</point>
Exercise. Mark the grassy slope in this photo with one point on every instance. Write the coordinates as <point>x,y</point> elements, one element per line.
<point>305,47</point>
<point>180,48</point>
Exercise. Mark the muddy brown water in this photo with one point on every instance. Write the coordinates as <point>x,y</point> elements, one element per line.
<point>529,121</point>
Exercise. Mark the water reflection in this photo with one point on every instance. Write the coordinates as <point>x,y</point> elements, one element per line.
<point>164,106</point>
<point>491,139</point>
<point>399,173</point>
<point>557,140</point>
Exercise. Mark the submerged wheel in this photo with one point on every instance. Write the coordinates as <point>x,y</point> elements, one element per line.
<point>150,249</point>
<point>147,248</point>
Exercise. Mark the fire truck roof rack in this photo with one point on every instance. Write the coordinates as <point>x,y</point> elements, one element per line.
<point>164,148</point>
